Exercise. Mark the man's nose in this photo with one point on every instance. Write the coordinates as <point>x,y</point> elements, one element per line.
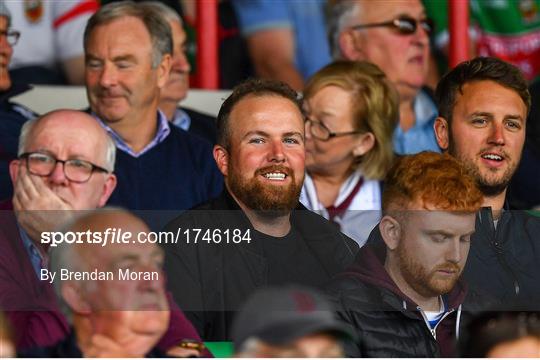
<point>453,253</point>
<point>58,177</point>
<point>421,36</point>
<point>181,63</point>
<point>496,135</point>
<point>277,151</point>
<point>108,76</point>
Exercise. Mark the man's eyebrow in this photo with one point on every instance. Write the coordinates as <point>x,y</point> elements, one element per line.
<point>91,57</point>
<point>124,58</point>
<point>481,113</point>
<point>293,133</point>
<point>439,232</point>
<point>515,117</point>
<point>491,116</point>
<point>447,233</point>
<point>256,132</point>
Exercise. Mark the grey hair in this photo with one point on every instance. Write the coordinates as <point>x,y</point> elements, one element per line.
<point>339,15</point>
<point>163,10</point>
<point>110,146</point>
<point>4,11</point>
<point>157,27</point>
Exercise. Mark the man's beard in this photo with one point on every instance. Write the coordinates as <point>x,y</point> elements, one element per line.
<point>424,282</point>
<point>488,187</point>
<point>270,200</point>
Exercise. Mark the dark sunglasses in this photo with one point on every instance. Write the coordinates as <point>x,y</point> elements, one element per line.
<point>405,25</point>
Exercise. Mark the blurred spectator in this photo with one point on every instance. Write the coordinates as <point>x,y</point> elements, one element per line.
<point>291,322</point>
<point>46,196</point>
<point>352,111</point>
<point>261,154</point>
<point>50,49</point>
<point>110,316</point>
<point>502,334</point>
<point>128,58</point>
<point>524,190</point>
<point>7,348</point>
<point>393,34</point>
<point>286,39</point>
<point>12,116</point>
<point>508,30</point>
<point>177,86</point>
<point>483,105</point>
<point>403,294</point>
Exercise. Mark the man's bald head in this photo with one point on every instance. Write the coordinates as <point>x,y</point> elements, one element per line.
<point>71,119</point>
<point>71,154</point>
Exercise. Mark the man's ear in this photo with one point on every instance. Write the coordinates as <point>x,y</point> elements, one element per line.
<point>221,156</point>
<point>349,46</point>
<point>390,230</point>
<point>14,170</point>
<point>108,188</point>
<point>365,143</point>
<point>441,132</point>
<point>72,295</point>
<point>164,70</point>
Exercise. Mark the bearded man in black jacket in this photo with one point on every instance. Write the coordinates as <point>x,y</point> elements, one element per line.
<point>403,295</point>
<point>255,233</point>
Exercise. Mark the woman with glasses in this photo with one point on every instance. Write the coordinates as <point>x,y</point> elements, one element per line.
<point>351,112</point>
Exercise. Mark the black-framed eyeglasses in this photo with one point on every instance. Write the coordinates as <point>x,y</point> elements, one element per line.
<point>404,25</point>
<point>319,131</point>
<point>12,36</point>
<point>75,170</point>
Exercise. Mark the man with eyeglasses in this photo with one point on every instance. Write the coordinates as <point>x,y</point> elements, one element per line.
<point>12,116</point>
<point>64,165</point>
<point>394,35</point>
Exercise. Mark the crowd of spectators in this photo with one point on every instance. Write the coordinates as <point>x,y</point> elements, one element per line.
<point>337,206</point>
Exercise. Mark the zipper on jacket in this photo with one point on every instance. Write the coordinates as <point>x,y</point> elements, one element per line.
<point>426,321</point>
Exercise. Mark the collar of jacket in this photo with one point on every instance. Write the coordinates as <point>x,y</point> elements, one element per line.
<point>369,268</point>
<point>14,90</point>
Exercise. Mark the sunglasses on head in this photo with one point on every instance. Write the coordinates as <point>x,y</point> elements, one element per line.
<point>404,25</point>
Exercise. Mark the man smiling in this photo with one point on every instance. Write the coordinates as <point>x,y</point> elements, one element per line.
<point>128,60</point>
<point>260,153</point>
<point>483,105</point>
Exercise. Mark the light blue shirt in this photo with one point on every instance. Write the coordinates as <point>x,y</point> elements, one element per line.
<point>421,136</point>
<point>305,18</point>
<point>181,119</point>
<point>35,255</point>
<point>162,132</point>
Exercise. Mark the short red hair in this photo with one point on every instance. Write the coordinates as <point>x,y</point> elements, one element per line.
<point>431,178</point>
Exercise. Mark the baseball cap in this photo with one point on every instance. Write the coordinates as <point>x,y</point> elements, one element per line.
<point>280,315</point>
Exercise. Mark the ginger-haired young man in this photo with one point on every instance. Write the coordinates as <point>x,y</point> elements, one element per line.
<point>403,294</point>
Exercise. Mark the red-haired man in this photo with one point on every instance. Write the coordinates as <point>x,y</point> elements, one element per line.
<point>403,295</point>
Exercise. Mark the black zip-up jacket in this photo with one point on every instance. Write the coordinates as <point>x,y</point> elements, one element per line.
<point>210,281</point>
<point>387,322</point>
<point>504,262</point>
